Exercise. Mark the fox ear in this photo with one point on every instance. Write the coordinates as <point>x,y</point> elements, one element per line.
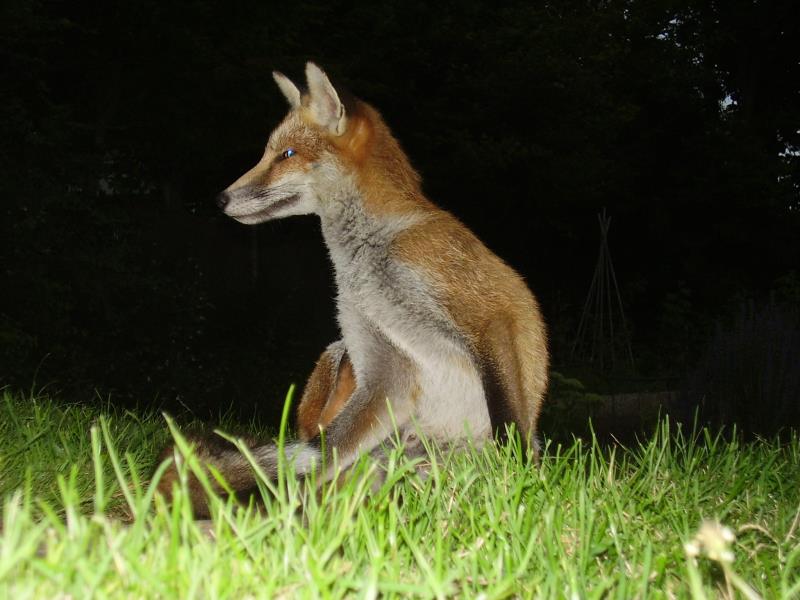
<point>288,88</point>
<point>326,108</point>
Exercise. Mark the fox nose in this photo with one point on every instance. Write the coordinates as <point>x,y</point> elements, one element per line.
<point>222,199</point>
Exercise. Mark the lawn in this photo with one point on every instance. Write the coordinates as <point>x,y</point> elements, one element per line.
<point>681,514</point>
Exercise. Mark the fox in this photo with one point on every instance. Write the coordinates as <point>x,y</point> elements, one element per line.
<point>440,338</point>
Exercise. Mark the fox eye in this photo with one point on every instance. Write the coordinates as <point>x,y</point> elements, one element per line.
<point>288,153</point>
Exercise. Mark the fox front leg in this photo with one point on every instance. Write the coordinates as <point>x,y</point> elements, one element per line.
<point>327,390</point>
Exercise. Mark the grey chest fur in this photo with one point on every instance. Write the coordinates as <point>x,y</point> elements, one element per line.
<point>393,296</point>
<point>384,302</point>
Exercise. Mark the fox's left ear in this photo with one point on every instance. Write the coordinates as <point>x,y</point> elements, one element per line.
<point>288,88</point>
<point>325,106</point>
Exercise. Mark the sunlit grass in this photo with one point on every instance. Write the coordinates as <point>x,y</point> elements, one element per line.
<point>80,519</point>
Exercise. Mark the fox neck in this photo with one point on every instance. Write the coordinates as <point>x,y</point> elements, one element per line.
<point>377,198</point>
<point>358,237</point>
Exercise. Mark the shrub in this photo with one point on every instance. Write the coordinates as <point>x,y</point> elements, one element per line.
<point>750,375</point>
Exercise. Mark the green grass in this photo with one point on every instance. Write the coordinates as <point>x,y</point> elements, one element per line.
<point>79,520</point>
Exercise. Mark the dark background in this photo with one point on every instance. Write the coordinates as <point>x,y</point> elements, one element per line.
<point>120,121</point>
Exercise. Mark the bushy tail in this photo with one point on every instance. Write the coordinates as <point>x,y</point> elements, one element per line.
<point>213,464</point>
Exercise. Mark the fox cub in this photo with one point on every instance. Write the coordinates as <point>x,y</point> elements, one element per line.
<point>438,335</point>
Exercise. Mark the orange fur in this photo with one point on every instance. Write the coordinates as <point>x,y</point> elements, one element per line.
<point>325,394</point>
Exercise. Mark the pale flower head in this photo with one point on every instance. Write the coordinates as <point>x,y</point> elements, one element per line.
<point>713,540</point>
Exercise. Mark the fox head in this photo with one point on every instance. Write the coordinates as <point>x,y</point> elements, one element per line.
<point>310,158</point>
